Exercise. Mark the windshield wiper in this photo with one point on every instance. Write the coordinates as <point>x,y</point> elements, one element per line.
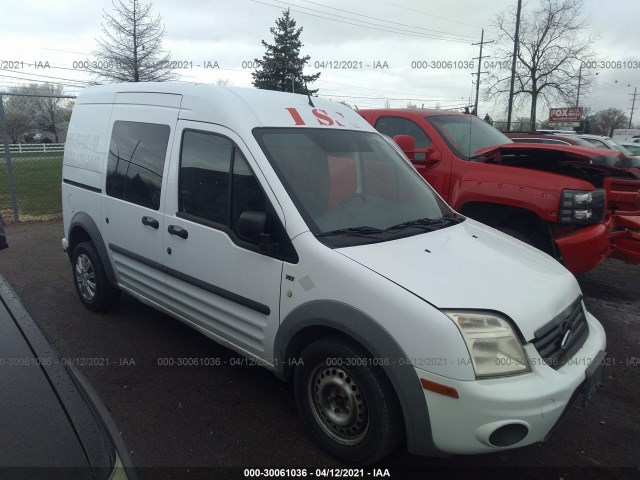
<point>428,223</point>
<point>355,231</point>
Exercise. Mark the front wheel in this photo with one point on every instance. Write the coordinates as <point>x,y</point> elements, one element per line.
<point>346,402</point>
<point>92,285</point>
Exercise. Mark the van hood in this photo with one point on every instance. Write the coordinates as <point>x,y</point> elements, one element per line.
<point>472,266</point>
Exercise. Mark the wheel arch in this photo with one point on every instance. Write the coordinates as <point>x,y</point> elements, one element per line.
<point>516,218</point>
<point>83,228</point>
<point>322,318</point>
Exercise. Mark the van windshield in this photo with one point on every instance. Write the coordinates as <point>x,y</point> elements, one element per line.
<point>352,187</point>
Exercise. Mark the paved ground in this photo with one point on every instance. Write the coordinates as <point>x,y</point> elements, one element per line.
<point>190,417</point>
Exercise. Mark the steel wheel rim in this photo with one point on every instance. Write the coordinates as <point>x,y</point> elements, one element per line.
<point>338,404</point>
<point>85,277</point>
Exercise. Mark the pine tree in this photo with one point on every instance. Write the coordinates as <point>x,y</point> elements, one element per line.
<point>281,67</point>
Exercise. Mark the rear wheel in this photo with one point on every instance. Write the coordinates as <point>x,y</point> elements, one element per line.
<point>346,402</point>
<point>92,285</point>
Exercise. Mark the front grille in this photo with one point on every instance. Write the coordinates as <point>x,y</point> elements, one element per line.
<point>560,339</point>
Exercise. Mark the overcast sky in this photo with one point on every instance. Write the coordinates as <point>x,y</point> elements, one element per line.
<point>368,33</point>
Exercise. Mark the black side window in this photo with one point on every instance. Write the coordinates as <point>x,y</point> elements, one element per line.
<point>393,126</point>
<point>204,176</point>
<point>216,185</point>
<point>136,162</point>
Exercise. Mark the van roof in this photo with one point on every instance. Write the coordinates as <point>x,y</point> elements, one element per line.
<point>234,107</point>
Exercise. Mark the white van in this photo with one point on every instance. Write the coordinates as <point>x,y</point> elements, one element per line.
<point>621,135</point>
<point>287,229</point>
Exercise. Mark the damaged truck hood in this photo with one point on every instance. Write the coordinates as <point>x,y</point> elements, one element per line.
<point>569,160</point>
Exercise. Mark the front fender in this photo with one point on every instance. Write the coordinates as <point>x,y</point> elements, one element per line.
<point>378,342</point>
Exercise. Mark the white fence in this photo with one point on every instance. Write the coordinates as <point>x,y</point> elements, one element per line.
<point>35,147</point>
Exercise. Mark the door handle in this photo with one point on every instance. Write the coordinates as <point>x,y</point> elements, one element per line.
<point>180,232</point>
<point>150,222</point>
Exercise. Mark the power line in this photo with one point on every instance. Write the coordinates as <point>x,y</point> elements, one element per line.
<point>383,29</point>
<point>366,88</point>
<point>385,21</point>
<point>427,14</point>
<point>85,82</point>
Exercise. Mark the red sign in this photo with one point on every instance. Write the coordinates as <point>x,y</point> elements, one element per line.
<point>568,114</point>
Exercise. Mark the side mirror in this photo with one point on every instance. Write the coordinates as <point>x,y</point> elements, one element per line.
<point>407,144</point>
<point>251,227</point>
<point>423,156</point>
<point>432,155</point>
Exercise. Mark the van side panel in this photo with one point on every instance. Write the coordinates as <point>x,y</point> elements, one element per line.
<point>84,161</point>
<point>87,143</point>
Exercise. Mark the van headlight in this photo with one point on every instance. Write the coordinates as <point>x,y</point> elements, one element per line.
<point>582,206</point>
<point>494,347</point>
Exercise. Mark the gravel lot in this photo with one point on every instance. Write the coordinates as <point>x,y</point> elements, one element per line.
<point>176,420</point>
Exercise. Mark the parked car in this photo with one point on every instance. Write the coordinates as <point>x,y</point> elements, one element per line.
<point>522,189</point>
<point>625,135</point>
<point>634,148</point>
<point>549,138</point>
<point>54,425</point>
<point>287,229</point>
<point>605,142</point>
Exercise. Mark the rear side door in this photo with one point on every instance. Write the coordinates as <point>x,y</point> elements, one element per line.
<point>223,285</point>
<point>132,223</point>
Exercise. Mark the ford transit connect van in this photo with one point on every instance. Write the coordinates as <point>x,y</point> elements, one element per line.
<point>287,229</point>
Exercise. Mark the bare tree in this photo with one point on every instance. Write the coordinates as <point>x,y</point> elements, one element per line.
<point>552,46</point>
<point>130,49</point>
<point>606,121</point>
<point>49,112</point>
<point>18,121</point>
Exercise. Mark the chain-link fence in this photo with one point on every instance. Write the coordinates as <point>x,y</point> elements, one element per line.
<point>33,130</point>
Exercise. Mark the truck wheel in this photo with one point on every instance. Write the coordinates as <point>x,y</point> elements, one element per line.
<point>346,402</point>
<point>92,285</point>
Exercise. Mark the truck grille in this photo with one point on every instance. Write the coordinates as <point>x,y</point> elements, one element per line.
<point>560,339</point>
<point>622,195</point>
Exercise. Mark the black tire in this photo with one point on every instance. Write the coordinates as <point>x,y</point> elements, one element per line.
<point>91,282</point>
<point>336,378</point>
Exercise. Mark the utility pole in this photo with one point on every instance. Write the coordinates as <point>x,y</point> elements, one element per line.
<point>633,105</point>
<point>516,41</point>
<point>579,81</point>
<point>482,42</point>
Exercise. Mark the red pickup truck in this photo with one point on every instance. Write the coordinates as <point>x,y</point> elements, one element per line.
<point>551,196</point>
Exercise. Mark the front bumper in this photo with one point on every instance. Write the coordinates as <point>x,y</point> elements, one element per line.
<point>585,249</point>
<point>531,403</point>
<point>618,237</point>
<point>624,233</point>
